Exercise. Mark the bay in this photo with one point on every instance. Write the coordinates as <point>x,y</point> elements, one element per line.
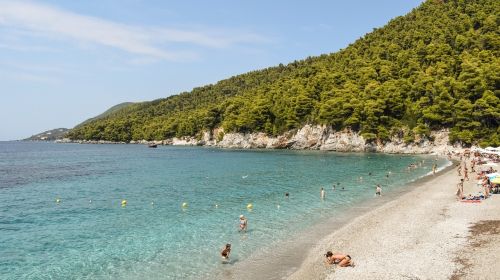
<point>88,234</point>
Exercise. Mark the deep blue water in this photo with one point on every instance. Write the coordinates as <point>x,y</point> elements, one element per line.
<point>89,235</point>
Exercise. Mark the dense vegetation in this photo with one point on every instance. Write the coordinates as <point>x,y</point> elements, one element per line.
<point>437,67</point>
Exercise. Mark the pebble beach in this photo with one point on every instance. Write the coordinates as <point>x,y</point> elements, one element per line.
<point>423,234</point>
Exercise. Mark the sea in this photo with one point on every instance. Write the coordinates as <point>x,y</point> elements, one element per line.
<point>81,211</point>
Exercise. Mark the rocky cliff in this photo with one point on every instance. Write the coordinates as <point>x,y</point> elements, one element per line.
<point>307,138</point>
<point>319,138</point>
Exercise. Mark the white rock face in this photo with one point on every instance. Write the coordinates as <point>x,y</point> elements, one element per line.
<point>311,137</point>
<point>324,138</point>
<point>246,141</point>
<point>184,141</point>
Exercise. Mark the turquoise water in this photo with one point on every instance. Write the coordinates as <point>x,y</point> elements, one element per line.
<point>89,235</point>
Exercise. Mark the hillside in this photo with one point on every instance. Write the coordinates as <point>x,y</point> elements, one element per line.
<point>107,112</point>
<point>49,135</point>
<point>436,67</point>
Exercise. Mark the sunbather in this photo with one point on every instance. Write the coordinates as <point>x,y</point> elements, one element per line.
<point>339,259</point>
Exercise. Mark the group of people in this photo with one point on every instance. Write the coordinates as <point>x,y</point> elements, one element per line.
<point>243,224</point>
<point>322,192</point>
<point>483,175</point>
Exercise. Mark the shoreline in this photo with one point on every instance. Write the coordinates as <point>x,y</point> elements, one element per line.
<point>422,234</point>
<point>309,137</point>
<point>289,256</point>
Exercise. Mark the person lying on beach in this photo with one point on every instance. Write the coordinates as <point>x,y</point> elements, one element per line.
<point>225,251</point>
<point>338,259</point>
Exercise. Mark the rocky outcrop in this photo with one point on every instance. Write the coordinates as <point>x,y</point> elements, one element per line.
<point>309,137</point>
<point>325,138</point>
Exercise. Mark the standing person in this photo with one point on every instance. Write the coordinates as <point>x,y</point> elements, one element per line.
<point>459,170</point>
<point>226,251</point>
<point>378,190</point>
<point>243,223</point>
<point>460,189</point>
<point>466,173</point>
<point>322,193</point>
<point>434,168</point>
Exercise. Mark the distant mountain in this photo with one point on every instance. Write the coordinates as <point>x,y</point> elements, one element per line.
<point>435,68</point>
<point>49,135</point>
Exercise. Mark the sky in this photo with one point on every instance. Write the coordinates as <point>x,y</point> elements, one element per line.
<point>62,62</point>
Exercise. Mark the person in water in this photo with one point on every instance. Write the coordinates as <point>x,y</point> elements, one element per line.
<point>338,259</point>
<point>243,223</point>
<point>322,193</point>
<point>378,190</point>
<point>226,251</point>
<point>287,195</point>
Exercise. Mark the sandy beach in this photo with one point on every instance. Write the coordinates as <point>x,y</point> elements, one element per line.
<point>423,234</point>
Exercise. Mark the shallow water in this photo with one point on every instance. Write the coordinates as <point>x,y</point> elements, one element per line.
<point>88,234</point>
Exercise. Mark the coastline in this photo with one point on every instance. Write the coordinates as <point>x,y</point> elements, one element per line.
<point>287,258</point>
<point>309,137</point>
<point>422,234</point>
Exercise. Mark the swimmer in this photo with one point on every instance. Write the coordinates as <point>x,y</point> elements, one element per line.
<point>243,223</point>
<point>287,195</point>
<point>378,190</point>
<point>226,251</point>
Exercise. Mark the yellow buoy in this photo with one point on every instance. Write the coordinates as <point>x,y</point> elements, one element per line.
<point>184,205</point>
<point>249,206</point>
<point>124,203</point>
<point>58,200</point>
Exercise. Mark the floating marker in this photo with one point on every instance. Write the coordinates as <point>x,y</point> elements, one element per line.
<point>90,201</point>
<point>184,205</point>
<point>278,206</point>
<point>124,203</point>
<point>216,206</point>
<point>249,206</point>
<point>58,200</point>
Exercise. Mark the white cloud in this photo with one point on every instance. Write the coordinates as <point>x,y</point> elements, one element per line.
<point>140,40</point>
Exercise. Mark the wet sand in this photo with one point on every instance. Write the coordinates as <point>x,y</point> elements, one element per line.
<point>423,234</point>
